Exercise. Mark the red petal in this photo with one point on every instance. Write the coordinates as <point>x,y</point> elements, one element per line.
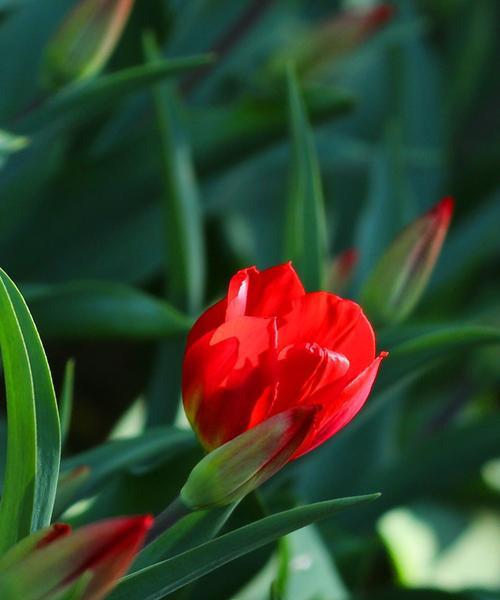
<point>340,408</point>
<point>265,293</point>
<point>225,373</point>
<point>119,542</point>
<point>303,369</point>
<point>334,323</point>
<point>208,321</point>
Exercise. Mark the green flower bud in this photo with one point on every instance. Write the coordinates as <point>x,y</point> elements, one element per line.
<point>237,467</point>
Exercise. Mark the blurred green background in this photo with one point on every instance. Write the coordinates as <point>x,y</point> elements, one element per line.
<point>126,205</point>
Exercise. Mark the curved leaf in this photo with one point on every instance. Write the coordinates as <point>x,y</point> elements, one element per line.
<point>162,578</point>
<point>97,309</point>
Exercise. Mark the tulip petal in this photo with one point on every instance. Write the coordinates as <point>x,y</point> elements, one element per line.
<point>338,409</point>
<point>334,323</point>
<point>209,320</point>
<point>302,370</point>
<point>227,372</point>
<point>265,293</point>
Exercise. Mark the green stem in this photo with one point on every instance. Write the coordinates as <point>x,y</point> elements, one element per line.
<point>175,511</point>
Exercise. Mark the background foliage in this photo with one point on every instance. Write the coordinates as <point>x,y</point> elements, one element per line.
<point>127,202</point>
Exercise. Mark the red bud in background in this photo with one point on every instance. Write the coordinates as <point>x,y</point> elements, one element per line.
<point>333,38</point>
<point>342,269</point>
<point>37,540</point>
<point>401,275</point>
<point>85,40</point>
<point>102,552</point>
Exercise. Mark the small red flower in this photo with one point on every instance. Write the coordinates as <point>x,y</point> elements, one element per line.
<point>269,346</point>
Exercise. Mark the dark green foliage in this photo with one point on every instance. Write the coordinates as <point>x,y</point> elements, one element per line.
<point>214,139</point>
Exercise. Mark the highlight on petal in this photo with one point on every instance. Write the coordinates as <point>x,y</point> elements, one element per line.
<point>303,369</point>
<point>225,373</point>
<point>339,408</point>
<point>402,273</point>
<point>242,464</point>
<point>103,551</point>
<point>334,323</point>
<point>264,293</point>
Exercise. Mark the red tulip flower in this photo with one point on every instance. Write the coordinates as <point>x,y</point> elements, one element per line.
<point>269,347</point>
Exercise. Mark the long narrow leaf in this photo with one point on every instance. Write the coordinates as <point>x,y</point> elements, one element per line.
<point>82,99</point>
<point>158,580</point>
<point>98,309</point>
<point>116,456</point>
<point>181,204</point>
<point>48,435</point>
<point>18,495</point>
<point>305,236</point>
<point>66,399</point>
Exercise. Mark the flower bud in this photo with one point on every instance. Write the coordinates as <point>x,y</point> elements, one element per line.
<point>85,40</point>
<point>33,542</point>
<point>402,273</point>
<point>237,467</point>
<point>102,552</point>
<point>341,270</point>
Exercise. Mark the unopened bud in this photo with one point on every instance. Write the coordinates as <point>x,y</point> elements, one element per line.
<point>101,552</point>
<point>237,467</point>
<point>401,275</point>
<point>85,40</point>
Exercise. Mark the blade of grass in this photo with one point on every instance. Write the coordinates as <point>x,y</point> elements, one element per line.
<point>81,100</point>
<point>305,234</point>
<point>66,399</point>
<point>153,583</point>
<point>48,433</point>
<point>18,494</point>
<point>102,309</point>
<point>181,204</point>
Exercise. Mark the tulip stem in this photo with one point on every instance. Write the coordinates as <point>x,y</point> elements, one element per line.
<point>175,511</point>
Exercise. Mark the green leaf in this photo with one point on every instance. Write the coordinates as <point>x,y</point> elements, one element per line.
<point>318,578</point>
<point>181,202</point>
<point>305,239</point>
<point>249,127</point>
<point>423,350</point>
<point>190,531</point>
<point>116,456</point>
<point>162,578</point>
<point>48,435</point>
<point>82,99</point>
<point>16,506</point>
<point>66,400</point>
<point>99,309</point>
<point>443,462</point>
<point>33,438</point>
